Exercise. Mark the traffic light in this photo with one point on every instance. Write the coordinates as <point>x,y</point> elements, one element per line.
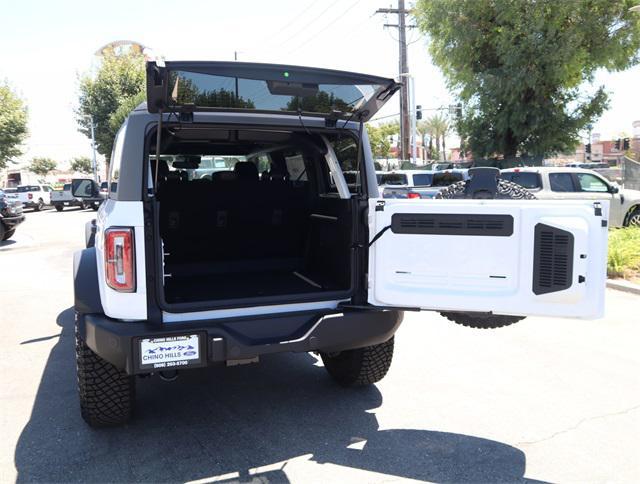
<point>617,144</point>
<point>625,144</point>
<point>587,148</point>
<point>418,111</point>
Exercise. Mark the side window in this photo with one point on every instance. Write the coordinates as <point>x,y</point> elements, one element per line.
<point>45,188</point>
<point>116,159</point>
<point>591,183</point>
<point>264,165</point>
<point>296,167</point>
<point>346,149</point>
<point>561,182</point>
<point>422,179</point>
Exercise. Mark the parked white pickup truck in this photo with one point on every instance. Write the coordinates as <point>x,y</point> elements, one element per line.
<point>64,198</point>
<point>561,183</point>
<point>35,196</point>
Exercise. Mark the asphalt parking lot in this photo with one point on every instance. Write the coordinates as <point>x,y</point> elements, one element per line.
<point>545,400</point>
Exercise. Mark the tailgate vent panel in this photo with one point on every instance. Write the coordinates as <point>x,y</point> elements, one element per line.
<point>552,259</point>
<point>452,224</point>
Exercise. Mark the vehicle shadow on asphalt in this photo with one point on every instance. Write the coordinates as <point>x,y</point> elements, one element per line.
<point>227,421</point>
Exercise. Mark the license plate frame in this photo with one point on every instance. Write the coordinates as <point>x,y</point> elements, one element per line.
<point>171,352</point>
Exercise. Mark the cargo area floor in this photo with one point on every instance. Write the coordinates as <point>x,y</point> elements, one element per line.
<point>183,289</point>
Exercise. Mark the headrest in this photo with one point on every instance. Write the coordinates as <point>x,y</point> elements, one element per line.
<point>223,176</point>
<point>163,168</point>
<point>277,174</point>
<point>245,170</point>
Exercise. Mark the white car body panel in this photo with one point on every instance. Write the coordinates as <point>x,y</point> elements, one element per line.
<point>485,273</point>
<point>122,305</point>
<point>44,195</point>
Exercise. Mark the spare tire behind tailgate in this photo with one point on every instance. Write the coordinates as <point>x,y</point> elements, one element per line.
<point>504,190</point>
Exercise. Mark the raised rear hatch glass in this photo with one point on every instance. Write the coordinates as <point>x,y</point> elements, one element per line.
<point>206,86</point>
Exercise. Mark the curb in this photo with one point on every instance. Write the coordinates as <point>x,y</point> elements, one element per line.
<point>622,285</point>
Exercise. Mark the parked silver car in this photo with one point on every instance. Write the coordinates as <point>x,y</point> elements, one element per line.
<point>558,183</point>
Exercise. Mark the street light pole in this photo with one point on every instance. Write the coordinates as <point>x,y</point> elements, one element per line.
<point>93,149</point>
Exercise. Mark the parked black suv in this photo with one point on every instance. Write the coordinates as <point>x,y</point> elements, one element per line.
<point>10,215</point>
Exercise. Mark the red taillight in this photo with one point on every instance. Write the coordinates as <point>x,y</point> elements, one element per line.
<point>30,195</point>
<point>413,195</point>
<point>120,259</point>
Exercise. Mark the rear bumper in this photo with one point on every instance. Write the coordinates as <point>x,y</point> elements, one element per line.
<point>242,338</point>
<point>76,202</point>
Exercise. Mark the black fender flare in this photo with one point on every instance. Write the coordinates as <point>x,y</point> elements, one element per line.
<point>86,289</point>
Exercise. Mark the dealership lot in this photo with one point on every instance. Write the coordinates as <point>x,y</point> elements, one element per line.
<point>545,400</point>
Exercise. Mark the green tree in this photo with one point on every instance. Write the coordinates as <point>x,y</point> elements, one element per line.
<point>379,138</point>
<point>321,102</point>
<point>127,105</point>
<point>380,144</point>
<point>82,164</point>
<point>119,81</point>
<point>42,166</point>
<point>520,67</point>
<point>13,124</point>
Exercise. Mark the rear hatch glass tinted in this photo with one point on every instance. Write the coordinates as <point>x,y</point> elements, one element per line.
<point>265,87</point>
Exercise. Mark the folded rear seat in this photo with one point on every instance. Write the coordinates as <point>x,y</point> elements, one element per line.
<point>233,217</point>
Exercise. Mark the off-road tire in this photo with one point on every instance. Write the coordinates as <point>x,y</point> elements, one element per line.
<point>39,206</point>
<point>6,235</point>
<point>359,367</point>
<point>59,208</point>
<point>107,394</point>
<point>634,218</point>
<point>481,321</point>
<point>506,191</point>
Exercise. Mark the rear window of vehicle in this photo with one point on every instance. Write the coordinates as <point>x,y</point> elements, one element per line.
<point>445,179</point>
<point>393,179</point>
<point>66,187</point>
<point>524,179</point>
<point>209,90</point>
<point>561,182</point>
<point>28,188</point>
<point>422,179</point>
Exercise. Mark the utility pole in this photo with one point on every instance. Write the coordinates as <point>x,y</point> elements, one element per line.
<point>404,72</point>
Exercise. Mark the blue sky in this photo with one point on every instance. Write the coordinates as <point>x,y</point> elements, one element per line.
<point>46,44</point>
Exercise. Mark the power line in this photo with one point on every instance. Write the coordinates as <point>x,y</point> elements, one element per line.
<point>316,35</point>
<point>300,14</point>
<point>313,20</point>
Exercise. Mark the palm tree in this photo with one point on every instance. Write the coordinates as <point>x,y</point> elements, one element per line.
<point>437,127</point>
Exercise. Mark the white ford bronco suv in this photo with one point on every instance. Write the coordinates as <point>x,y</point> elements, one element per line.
<point>269,249</point>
